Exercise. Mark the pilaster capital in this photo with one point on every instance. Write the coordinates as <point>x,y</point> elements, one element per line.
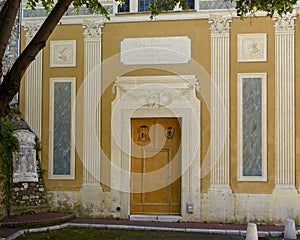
<point>285,23</point>
<point>219,23</point>
<point>30,30</point>
<point>92,29</point>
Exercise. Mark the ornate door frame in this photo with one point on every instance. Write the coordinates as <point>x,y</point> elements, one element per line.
<point>156,96</point>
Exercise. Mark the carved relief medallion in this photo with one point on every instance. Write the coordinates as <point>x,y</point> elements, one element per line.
<point>63,53</point>
<point>252,47</point>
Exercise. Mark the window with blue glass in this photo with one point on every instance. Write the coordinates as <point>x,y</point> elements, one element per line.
<point>191,4</point>
<point>144,5</point>
<point>124,7</point>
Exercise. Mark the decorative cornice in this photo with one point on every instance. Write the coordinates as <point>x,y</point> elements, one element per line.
<point>219,23</point>
<point>178,82</point>
<point>285,23</point>
<point>141,17</point>
<point>155,91</point>
<point>31,29</point>
<point>92,29</point>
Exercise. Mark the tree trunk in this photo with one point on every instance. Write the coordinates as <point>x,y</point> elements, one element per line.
<point>11,82</point>
<point>7,19</point>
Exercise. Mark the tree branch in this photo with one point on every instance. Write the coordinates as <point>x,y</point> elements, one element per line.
<point>11,82</point>
<point>7,19</point>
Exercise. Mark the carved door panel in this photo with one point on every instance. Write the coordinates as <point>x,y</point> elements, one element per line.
<point>155,166</point>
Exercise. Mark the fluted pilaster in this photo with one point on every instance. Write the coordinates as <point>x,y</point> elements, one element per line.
<point>220,100</point>
<point>33,86</point>
<point>92,103</point>
<point>285,100</point>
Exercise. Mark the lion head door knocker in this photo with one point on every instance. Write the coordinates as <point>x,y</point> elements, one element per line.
<point>143,134</point>
<point>169,132</point>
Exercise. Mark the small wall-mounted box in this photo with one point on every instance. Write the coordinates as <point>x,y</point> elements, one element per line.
<point>189,207</point>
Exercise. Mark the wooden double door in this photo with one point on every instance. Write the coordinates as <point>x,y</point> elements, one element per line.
<point>155,166</point>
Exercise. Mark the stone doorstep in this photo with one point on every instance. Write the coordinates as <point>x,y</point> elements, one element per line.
<point>155,218</point>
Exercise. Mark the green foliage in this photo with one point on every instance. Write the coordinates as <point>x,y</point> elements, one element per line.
<point>37,146</point>
<point>47,4</point>
<point>8,145</point>
<point>245,7</point>
<point>157,6</point>
<point>42,171</point>
<point>94,6</point>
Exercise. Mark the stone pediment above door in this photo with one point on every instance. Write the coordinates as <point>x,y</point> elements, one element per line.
<point>155,91</point>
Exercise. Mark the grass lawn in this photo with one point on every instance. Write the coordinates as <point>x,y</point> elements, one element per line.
<point>98,233</point>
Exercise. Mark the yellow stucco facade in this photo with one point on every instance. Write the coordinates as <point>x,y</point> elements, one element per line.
<point>221,194</point>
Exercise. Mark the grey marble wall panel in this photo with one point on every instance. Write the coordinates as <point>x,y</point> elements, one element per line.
<point>252,126</point>
<point>62,128</point>
<point>205,5</point>
<point>42,13</point>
